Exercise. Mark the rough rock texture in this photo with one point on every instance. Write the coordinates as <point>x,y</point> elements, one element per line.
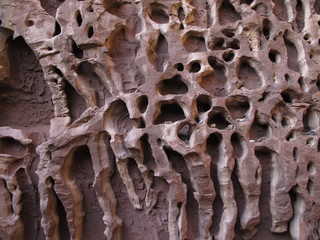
<point>149,119</point>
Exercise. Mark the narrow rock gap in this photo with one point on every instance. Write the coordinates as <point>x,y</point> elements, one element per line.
<point>82,173</point>
<point>76,103</point>
<point>178,163</point>
<point>213,149</point>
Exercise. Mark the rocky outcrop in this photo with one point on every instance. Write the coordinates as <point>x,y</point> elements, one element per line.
<point>159,119</point>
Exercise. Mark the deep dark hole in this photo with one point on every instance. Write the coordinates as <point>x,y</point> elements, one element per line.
<point>195,67</point>
<point>286,97</point>
<point>236,144</point>
<point>228,56</point>
<point>248,2</point>
<point>76,50</point>
<point>82,173</point>
<point>218,121</point>
<point>170,113</point>
<point>203,103</point>
<point>227,33</point>
<point>318,83</point>
<point>266,28</point>
<point>57,29</point>
<point>76,103</point>
<point>141,123</point>
<point>302,84</point>
<point>57,71</point>
<point>274,56</point>
<point>291,135</point>
<point>148,158</point>
<point>180,166</point>
<point>79,18</point>
<point>29,23</point>
<point>264,96</point>
<point>9,145</point>
<point>181,14</point>
<point>90,32</point>
<point>142,102</point>
<point>63,224</point>
<point>217,44</point>
<point>184,133</point>
<point>266,32</point>
<point>235,44</point>
<point>213,146</point>
<point>172,86</point>
<point>285,122</point>
<point>89,8</point>
<point>179,67</point>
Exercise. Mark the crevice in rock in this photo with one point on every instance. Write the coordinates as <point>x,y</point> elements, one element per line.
<point>300,15</point>
<point>179,165</point>
<point>77,52</point>
<point>81,172</point>
<point>57,29</point>
<point>30,206</point>
<point>213,148</point>
<point>58,208</point>
<point>76,103</point>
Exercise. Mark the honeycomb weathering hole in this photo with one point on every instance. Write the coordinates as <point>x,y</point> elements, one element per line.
<point>10,146</point>
<point>169,113</point>
<point>174,85</point>
<point>238,106</point>
<point>180,119</point>
<point>158,13</point>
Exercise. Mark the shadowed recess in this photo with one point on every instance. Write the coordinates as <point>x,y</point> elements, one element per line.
<point>169,113</point>
<point>82,173</point>
<point>174,85</point>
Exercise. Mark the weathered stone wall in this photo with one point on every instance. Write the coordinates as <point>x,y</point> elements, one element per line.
<point>176,119</point>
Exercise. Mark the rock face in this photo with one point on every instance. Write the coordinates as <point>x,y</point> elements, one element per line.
<point>160,120</point>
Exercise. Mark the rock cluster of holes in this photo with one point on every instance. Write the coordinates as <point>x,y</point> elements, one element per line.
<point>244,83</point>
